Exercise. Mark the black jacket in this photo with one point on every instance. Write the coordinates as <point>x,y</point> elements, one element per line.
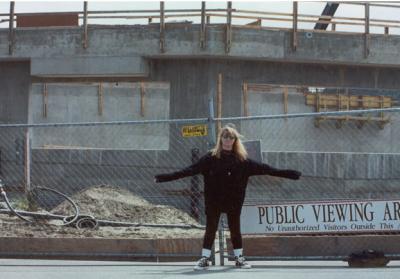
<point>225,179</point>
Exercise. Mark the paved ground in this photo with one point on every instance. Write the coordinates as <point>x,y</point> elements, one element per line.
<point>43,269</point>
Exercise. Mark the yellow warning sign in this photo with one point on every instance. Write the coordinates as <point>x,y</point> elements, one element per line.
<point>194,131</point>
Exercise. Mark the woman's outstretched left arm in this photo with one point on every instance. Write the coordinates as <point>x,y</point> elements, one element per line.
<point>256,168</point>
<point>191,170</point>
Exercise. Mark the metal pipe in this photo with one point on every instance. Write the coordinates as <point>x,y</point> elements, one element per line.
<point>294,31</point>
<point>85,24</point>
<point>4,195</point>
<point>118,12</point>
<point>11,29</point>
<point>228,34</point>
<point>203,29</point>
<point>221,242</point>
<point>202,120</point>
<point>130,122</point>
<point>311,114</point>
<point>162,27</point>
<point>366,34</point>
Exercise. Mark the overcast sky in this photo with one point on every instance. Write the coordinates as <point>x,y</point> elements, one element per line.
<point>312,8</point>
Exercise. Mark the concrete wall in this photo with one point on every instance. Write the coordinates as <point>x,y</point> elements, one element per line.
<point>14,91</point>
<point>72,103</point>
<point>182,40</point>
<point>257,56</point>
<point>300,134</point>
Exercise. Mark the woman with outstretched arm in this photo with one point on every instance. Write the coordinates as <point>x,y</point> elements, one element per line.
<point>226,170</point>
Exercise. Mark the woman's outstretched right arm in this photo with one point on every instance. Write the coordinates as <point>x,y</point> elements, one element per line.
<point>191,170</point>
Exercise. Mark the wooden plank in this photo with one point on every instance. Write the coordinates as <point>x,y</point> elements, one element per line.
<point>142,99</point>
<point>48,20</point>
<point>245,101</point>
<point>258,22</point>
<point>285,100</point>
<point>315,245</point>
<point>350,102</point>
<point>350,117</point>
<point>100,98</point>
<point>181,246</point>
<point>45,94</point>
<point>219,101</point>
<point>86,248</point>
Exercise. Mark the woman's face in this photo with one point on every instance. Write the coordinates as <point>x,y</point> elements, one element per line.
<point>227,140</point>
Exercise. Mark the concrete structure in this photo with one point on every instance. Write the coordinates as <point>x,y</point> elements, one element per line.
<point>189,74</point>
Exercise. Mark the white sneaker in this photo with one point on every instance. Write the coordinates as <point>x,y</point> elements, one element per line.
<point>240,262</point>
<point>202,264</point>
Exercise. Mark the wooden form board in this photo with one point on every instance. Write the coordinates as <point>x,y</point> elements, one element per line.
<point>101,249</point>
<point>349,102</point>
<point>313,245</point>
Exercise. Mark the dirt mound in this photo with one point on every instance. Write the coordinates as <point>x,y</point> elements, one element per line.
<point>105,202</point>
<point>111,203</point>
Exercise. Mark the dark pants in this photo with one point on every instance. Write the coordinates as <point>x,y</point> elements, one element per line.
<point>212,220</point>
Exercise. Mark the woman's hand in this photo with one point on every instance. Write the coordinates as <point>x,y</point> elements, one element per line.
<point>160,178</point>
<point>295,175</point>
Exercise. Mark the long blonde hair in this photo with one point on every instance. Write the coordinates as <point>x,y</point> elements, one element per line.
<point>238,148</point>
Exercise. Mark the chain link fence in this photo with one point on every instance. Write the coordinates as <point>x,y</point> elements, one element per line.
<point>97,179</point>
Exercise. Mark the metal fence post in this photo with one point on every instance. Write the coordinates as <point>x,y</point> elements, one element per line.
<point>228,34</point>
<point>162,27</point>
<point>366,35</point>
<point>11,29</point>
<point>211,143</point>
<point>194,188</point>
<point>294,31</point>
<point>85,24</point>
<point>203,25</point>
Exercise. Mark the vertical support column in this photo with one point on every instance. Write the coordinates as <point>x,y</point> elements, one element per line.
<point>211,125</point>
<point>11,33</point>
<point>317,120</point>
<point>27,161</point>
<point>27,169</point>
<point>142,99</point>
<point>211,144</point>
<point>366,35</point>
<point>203,30</point>
<point>100,98</point>
<point>162,27</point>
<point>45,95</point>
<point>285,100</point>
<point>382,115</point>
<point>294,31</point>
<point>221,238</point>
<point>85,24</point>
<point>219,101</point>
<point>228,33</point>
<point>245,101</point>
<point>195,189</point>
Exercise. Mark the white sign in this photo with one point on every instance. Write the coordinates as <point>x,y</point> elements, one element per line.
<point>346,216</point>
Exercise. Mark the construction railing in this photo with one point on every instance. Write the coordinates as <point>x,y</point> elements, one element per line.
<point>366,18</point>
